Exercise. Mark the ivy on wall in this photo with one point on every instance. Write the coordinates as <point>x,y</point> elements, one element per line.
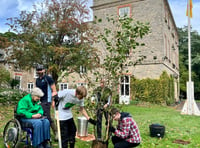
<point>157,91</point>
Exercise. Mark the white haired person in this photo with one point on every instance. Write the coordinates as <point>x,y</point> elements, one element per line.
<point>29,106</point>
<point>127,134</point>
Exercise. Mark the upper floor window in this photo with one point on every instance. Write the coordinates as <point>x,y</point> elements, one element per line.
<point>124,11</point>
<point>83,69</point>
<point>82,84</point>
<point>17,68</point>
<point>128,53</point>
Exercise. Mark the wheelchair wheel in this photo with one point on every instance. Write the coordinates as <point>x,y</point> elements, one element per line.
<point>12,133</point>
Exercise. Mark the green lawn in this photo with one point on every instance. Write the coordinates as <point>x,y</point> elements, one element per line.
<point>178,126</point>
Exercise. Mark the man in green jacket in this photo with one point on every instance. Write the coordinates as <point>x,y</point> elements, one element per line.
<point>104,99</point>
<point>29,106</point>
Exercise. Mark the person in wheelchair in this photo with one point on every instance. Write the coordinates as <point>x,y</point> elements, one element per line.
<point>31,111</point>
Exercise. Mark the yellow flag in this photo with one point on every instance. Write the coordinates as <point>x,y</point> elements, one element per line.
<point>190,15</point>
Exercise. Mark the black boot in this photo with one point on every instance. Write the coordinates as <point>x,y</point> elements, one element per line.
<point>71,144</point>
<point>46,144</point>
<point>40,146</point>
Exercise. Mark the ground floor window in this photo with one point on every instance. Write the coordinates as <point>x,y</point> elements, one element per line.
<point>63,86</point>
<point>30,86</point>
<point>125,89</point>
<point>18,78</point>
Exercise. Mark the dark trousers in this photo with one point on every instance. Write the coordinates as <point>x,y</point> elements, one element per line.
<point>46,106</point>
<point>99,121</point>
<point>68,133</point>
<point>122,143</point>
<point>47,112</point>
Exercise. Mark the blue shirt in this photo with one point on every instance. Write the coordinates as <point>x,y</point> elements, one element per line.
<point>44,84</point>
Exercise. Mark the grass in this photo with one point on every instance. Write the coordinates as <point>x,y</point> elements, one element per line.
<point>178,127</point>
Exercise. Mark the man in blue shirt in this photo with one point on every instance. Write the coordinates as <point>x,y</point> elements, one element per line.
<point>47,85</point>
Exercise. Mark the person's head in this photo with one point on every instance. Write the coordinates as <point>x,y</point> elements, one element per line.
<point>40,70</point>
<point>81,92</point>
<point>115,113</point>
<point>102,83</point>
<point>36,94</point>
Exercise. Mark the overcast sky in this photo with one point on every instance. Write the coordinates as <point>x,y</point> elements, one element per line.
<point>12,8</point>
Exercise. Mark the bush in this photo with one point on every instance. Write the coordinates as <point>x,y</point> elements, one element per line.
<point>157,91</point>
<point>10,96</point>
<point>4,76</point>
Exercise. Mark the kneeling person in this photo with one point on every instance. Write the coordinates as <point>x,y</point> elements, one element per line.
<point>127,134</point>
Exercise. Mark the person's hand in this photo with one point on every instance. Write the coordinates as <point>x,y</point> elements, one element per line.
<point>56,100</point>
<point>105,106</point>
<point>94,122</point>
<point>54,94</point>
<point>36,116</point>
<point>112,129</point>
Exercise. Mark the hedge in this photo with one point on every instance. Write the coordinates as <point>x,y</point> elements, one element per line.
<point>157,91</point>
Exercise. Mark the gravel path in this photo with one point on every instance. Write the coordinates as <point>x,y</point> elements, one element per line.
<point>180,106</point>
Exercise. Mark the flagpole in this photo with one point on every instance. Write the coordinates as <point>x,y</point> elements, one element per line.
<point>190,107</point>
<point>189,85</point>
<point>189,41</point>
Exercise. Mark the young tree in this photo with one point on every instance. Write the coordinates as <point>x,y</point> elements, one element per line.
<point>115,42</point>
<point>53,34</point>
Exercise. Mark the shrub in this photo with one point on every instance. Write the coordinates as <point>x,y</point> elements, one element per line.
<point>157,91</point>
<point>4,76</point>
<point>10,96</point>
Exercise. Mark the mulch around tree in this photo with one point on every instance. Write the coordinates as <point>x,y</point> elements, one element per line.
<point>179,141</point>
<point>87,138</point>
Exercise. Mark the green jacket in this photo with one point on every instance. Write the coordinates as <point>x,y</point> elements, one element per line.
<point>28,108</point>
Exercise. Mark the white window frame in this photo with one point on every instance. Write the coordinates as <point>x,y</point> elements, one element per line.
<point>125,84</point>
<point>63,86</point>
<point>124,89</point>
<point>83,69</point>
<point>30,86</point>
<point>124,11</point>
<point>35,74</point>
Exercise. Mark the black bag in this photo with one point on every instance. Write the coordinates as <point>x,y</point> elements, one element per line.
<point>157,130</point>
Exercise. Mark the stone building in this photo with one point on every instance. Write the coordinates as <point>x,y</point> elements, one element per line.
<point>161,45</point>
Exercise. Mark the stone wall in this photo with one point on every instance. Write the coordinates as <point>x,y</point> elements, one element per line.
<point>161,44</point>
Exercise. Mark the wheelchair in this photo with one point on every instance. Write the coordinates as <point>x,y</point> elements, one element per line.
<point>17,134</point>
